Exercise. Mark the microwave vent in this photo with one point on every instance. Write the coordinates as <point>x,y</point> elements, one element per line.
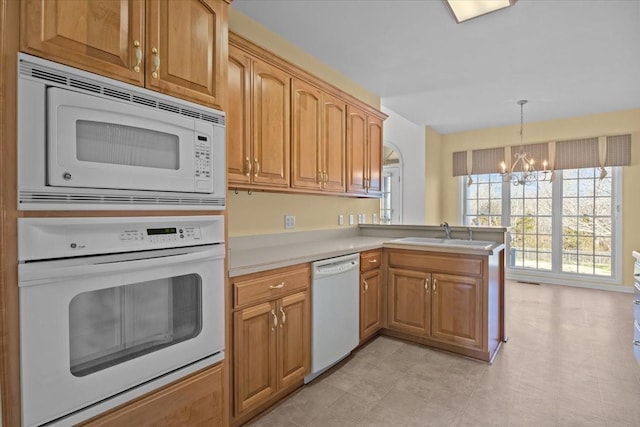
<point>41,198</point>
<point>80,82</point>
<point>144,101</point>
<point>117,94</point>
<point>190,113</point>
<point>168,107</point>
<point>49,76</point>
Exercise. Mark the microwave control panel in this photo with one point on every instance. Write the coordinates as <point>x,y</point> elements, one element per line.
<point>202,157</point>
<point>181,234</point>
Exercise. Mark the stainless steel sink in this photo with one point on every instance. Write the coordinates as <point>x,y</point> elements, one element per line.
<point>449,243</point>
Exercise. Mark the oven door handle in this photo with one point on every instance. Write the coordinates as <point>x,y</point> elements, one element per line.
<point>38,273</point>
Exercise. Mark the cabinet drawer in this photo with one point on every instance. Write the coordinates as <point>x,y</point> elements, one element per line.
<point>370,260</point>
<point>269,285</point>
<point>446,263</point>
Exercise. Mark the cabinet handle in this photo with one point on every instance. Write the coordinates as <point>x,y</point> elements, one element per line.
<point>366,285</point>
<point>275,320</point>
<point>435,284</point>
<point>284,317</point>
<point>280,286</point>
<point>156,63</point>
<point>136,67</point>
<point>373,261</point>
<point>426,285</point>
<point>247,166</point>
<point>257,167</point>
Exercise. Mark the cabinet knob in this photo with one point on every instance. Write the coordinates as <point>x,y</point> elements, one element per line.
<point>156,63</point>
<point>136,67</point>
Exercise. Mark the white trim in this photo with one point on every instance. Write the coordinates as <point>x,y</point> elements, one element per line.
<point>400,167</point>
<point>565,281</point>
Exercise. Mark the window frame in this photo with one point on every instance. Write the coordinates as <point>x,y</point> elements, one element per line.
<point>556,276</point>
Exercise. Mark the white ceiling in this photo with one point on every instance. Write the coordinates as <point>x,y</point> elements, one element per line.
<point>567,57</point>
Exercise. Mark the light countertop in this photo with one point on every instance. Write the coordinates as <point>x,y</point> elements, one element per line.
<point>278,252</point>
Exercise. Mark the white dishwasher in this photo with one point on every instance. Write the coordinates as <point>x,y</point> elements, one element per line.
<point>335,307</point>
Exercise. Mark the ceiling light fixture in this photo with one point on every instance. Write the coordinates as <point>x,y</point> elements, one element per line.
<point>463,10</point>
<point>523,169</point>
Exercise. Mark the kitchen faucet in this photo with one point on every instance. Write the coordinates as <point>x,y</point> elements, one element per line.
<point>447,230</point>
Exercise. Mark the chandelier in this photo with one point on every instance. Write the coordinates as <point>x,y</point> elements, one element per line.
<point>523,170</point>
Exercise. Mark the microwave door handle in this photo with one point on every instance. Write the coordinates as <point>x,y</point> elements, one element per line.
<point>41,273</point>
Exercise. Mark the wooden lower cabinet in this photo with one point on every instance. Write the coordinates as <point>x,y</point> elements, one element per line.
<point>429,303</point>
<point>370,303</point>
<point>371,282</point>
<point>194,401</point>
<point>271,337</point>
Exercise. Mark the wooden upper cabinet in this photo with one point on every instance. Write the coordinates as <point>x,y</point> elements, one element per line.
<point>457,309</point>
<point>334,146</point>
<point>175,47</point>
<point>356,149</point>
<point>104,37</point>
<point>374,164</point>
<point>186,49</point>
<point>306,144</point>
<point>294,340</point>
<point>239,158</point>
<point>271,125</point>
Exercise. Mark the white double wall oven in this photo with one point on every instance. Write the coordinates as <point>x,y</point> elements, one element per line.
<point>114,307</point>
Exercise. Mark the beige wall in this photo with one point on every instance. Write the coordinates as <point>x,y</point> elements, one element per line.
<point>620,122</point>
<point>263,213</point>
<point>432,176</point>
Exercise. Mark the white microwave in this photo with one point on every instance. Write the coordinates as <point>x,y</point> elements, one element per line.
<point>86,142</point>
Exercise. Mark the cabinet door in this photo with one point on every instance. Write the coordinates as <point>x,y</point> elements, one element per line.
<point>457,309</point>
<point>374,160</point>
<point>254,355</point>
<point>186,50</point>
<point>334,147</point>
<point>409,301</point>
<point>306,163</point>
<point>238,117</point>
<point>356,149</point>
<point>196,400</point>
<point>370,307</point>
<point>271,125</point>
<point>294,345</point>
<point>102,37</point>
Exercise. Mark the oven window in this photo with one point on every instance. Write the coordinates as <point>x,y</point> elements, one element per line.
<point>111,326</point>
<point>126,145</point>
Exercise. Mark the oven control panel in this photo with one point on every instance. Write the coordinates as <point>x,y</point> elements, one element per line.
<point>162,235</point>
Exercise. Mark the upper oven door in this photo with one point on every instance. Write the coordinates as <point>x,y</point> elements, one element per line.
<point>93,327</point>
<point>99,143</point>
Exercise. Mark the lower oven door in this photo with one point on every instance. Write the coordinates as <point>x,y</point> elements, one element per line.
<point>94,327</point>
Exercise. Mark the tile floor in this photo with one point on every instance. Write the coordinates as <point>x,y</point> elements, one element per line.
<point>568,362</point>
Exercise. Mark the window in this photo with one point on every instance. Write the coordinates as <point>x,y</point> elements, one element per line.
<point>562,228</point>
<point>483,204</point>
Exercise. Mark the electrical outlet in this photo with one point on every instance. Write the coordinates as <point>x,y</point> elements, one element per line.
<point>351,219</point>
<point>361,218</point>
<point>374,218</point>
<point>289,222</point>
<point>340,219</point>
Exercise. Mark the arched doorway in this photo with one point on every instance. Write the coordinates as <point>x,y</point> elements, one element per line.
<point>391,201</point>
